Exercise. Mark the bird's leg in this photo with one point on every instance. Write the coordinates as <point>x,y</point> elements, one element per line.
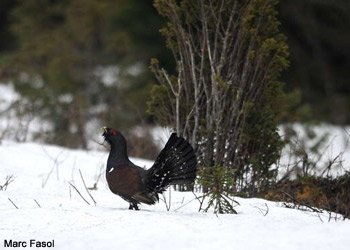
<point>133,206</point>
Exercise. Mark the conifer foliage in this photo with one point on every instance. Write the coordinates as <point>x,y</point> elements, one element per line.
<point>225,94</point>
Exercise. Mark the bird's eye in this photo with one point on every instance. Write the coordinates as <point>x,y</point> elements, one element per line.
<point>113,132</point>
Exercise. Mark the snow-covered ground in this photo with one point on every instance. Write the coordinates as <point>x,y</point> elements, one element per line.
<point>41,177</point>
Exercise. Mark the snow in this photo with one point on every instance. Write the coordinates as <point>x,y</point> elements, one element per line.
<point>43,173</point>
<point>11,126</point>
<point>8,95</point>
<point>336,145</point>
<point>160,135</point>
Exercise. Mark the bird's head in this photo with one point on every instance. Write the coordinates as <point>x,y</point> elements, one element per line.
<point>112,136</point>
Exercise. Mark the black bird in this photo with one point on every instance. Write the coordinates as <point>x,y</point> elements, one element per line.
<point>176,164</point>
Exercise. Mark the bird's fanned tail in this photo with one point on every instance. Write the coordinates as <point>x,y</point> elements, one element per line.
<point>176,164</point>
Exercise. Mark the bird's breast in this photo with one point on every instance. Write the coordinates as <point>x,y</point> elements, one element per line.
<point>124,180</point>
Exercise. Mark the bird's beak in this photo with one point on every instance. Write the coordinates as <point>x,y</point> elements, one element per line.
<point>104,129</point>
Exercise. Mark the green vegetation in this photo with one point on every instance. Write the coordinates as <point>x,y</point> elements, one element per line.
<point>225,95</point>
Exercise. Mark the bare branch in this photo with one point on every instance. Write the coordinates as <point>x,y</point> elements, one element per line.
<point>79,193</point>
<point>12,203</point>
<point>37,203</point>
<point>87,190</point>
<point>8,180</point>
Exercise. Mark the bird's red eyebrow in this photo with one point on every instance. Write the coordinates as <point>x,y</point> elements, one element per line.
<point>113,132</point>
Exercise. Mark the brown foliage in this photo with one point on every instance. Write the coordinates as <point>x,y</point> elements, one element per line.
<point>331,194</point>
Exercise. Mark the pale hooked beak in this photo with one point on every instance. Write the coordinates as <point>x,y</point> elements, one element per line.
<point>104,129</point>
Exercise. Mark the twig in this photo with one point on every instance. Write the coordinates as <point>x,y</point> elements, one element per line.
<point>70,193</point>
<point>300,203</point>
<point>87,190</point>
<point>9,179</point>
<point>330,164</point>
<point>79,193</point>
<point>267,209</point>
<point>319,216</point>
<point>12,203</point>
<point>47,177</point>
<point>169,198</point>
<point>56,163</point>
<point>37,203</point>
<point>73,168</point>
<point>165,200</point>
<point>94,187</point>
<point>184,205</point>
<point>200,201</point>
<point>262,211</point>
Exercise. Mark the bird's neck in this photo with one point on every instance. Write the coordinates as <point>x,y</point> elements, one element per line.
<point>118,156</point>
